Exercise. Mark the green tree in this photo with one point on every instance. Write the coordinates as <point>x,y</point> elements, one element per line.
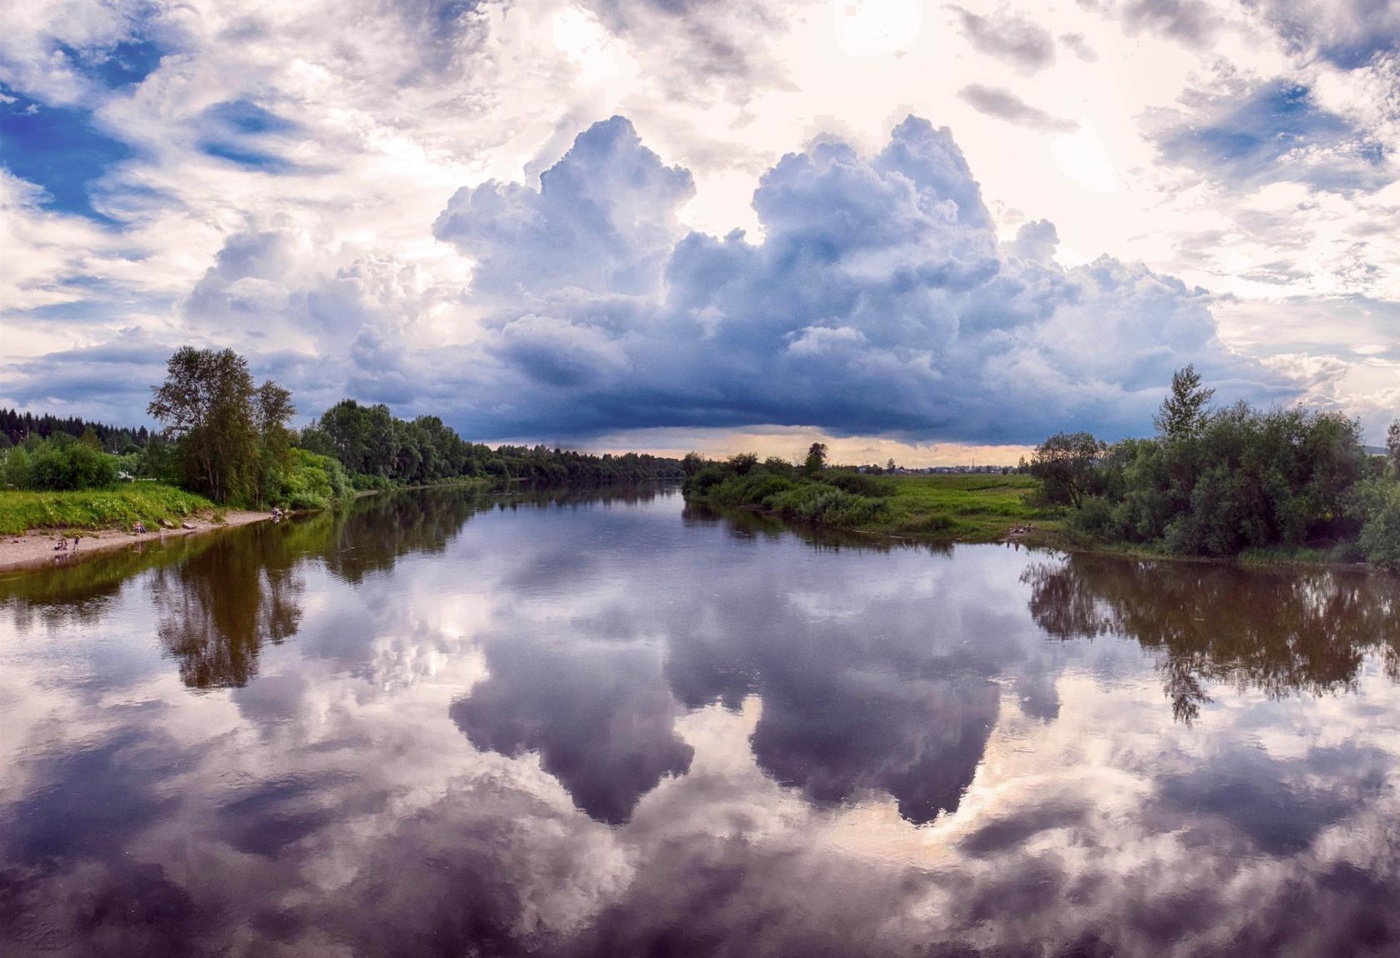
<point>221,424</point>
<point>1065,463</point>
<point>273,409</point>
<point>1392,445</point>
<point>17,468</point>
<point>1380,533</point>
<point>816,459</point>
<point>1184,412</point>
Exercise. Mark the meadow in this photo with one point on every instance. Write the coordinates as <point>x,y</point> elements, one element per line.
<point>969,508</point>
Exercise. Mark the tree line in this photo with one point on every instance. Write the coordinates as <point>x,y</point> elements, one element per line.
<point>16,427</point>
<point>229,439</point>
<point>1224,481</point>
<point>378,450</point>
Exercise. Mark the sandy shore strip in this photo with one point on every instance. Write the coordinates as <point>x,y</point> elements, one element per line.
<point>36,548</point>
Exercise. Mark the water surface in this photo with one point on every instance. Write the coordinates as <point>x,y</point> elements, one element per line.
<point>612,725</point>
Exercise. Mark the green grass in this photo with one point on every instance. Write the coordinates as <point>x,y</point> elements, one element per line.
<point>973,508</point>
<point>967,508</point>
<point>114,507</point>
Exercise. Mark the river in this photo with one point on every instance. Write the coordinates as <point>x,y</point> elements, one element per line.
<point>615,725</point>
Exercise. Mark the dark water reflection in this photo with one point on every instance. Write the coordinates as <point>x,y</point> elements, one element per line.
<point>1279,632</point>
<point>614,725</point>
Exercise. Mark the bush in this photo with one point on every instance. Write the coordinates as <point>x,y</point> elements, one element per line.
<point>1380,529</point>
<point>820,503</point>
<point>860,484</point>
<point>1096,518</point>
<point>17,468</point>
<point>313,481</point>
<point>57,466</point>
<point>707,478</point>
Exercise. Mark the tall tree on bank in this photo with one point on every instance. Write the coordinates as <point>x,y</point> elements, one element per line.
<point>227,433</point>
<point>273,409</point>
<point>1186,409</point>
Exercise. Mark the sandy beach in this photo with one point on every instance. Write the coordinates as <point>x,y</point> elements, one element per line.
<point>37,548</point>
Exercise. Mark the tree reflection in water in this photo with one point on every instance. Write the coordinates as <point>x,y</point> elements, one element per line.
<point>221,598</point>
<point>1284,632</point>
<point>223,602</point>
<point>218,607</point>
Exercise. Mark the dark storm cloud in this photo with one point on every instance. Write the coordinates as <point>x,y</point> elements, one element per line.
<point>908,713</point>
<point>1022,43</point>
<point>1005,105</point>
<point>879,302</point>
<point>114,375</point>
<point>1279,805</point>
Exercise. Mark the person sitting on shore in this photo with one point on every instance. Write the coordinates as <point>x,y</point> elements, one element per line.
<point>62,545</point>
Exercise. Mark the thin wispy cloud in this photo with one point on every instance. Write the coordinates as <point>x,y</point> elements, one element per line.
<point>1001,103</point>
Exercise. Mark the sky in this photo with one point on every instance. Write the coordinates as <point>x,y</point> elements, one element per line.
<point>934,233</point>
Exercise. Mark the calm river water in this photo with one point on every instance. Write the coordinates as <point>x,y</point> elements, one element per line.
<point>615,726</point>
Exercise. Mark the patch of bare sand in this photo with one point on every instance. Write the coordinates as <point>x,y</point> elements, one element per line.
<point>39,547</point>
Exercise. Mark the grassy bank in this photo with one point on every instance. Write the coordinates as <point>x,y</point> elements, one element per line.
<point>114,507</point>
<point>975,508</point>
<point>970,508</point>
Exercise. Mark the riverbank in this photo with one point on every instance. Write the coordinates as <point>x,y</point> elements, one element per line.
<point>39,547</point>
<point>997,508</point>
<point>941,508</point>
<point>32,523</point>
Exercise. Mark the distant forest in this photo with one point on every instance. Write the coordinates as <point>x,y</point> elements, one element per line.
<point>377,449</point>
<point>17,426</point>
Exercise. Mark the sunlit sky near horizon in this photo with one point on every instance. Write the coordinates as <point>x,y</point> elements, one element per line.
<point>929,232</point>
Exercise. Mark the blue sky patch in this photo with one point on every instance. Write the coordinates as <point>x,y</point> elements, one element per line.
<point>235,131</point>
<point>246,117</point>
<point>1277,133</point>
<point>59,149</point>
<point>124,64</point>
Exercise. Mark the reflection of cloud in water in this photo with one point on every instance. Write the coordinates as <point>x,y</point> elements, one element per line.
<point>333,804</point>
<point>599,717</point>
<point>919,740</point>
<point>886,687</point>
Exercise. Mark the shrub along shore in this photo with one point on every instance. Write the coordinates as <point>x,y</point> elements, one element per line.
<point>1273,486</point>
<point>973,509</point>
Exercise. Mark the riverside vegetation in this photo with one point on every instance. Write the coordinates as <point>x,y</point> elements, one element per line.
<point>968,508</point>
<point>226,442</point>
<point>1235,482</point>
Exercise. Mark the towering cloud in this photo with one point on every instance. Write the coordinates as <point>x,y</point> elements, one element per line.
<point>878,301</point>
